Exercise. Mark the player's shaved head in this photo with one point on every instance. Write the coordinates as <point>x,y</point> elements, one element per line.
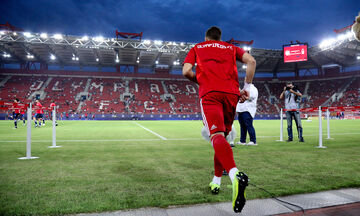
<point>356,28</point>
<point>213,33</point>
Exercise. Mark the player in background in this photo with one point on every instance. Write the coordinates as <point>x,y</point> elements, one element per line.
<point>39,113</point>
<point>22,114</point>
<point>53,106</point>
<point>16,112</point>
<point>217,76</point>
<point>45,114</point>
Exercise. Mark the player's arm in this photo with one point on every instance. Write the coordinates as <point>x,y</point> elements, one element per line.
<point>250,67</point>
<point>189,73</point>
<point>250,72</point>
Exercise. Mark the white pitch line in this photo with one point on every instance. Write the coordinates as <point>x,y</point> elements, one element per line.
<point>161,137</point>
<point>148,140</point>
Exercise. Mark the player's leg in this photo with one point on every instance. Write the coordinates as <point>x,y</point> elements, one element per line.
<point>239,179</point>
<point>35,119</point>
<point>243,130</point>
<point>16,116</point>
<point>23,119</point>
<point>213,117</point>
<point>250,128</point>
<point>209,112</point>
<point>216,181</point>
<point>289,125</point>
<point>299,126</point>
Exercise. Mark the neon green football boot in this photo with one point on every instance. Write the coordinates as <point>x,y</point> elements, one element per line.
<point>215,188</point>
<point>239,196</point>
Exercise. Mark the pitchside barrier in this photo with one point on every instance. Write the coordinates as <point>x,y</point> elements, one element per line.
<point>29,109</point>
<point>350,112</point>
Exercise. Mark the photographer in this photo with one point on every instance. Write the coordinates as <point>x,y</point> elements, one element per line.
<point>292,100</point>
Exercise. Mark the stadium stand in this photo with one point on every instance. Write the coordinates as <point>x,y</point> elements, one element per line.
<point>151,95</point>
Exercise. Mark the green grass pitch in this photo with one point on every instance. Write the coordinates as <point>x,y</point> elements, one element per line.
<point>112,165</point>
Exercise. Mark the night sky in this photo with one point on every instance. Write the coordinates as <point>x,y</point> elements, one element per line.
<point>269,23</point>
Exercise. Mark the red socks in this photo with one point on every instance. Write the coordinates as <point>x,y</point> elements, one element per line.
<point>218,167</point>
<point>224,158</point>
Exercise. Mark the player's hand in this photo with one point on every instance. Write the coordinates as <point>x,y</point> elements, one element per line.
<point>244,95</point>
<point>285,88</point>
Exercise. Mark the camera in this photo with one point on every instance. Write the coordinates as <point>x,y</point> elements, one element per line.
<point>288,88</point>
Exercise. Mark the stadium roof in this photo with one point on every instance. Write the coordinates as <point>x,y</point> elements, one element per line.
<point>67,50</point>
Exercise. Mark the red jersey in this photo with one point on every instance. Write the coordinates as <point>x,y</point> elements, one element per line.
<point>52,105</point>
<point>216,68</point>
<point>39,108</point>
<point>16,108</point>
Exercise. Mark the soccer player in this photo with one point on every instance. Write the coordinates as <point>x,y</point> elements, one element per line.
<point>52,106</point>
<point>22,114</point>
<point>16,112</point>
<point>217,76</point>
<point>39,113</point>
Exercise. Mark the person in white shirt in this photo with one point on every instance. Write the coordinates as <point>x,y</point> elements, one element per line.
<point>246,113</point>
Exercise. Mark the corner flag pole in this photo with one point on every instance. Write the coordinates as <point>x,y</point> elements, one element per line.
<point>328,124</point>
<point>320,130</point>
<point>54,129</point>
<point>28,135</point>
<point>281,126</point>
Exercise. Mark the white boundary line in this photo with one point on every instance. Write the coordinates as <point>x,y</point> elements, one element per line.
<point>161,137</point>
<point>129,140</point>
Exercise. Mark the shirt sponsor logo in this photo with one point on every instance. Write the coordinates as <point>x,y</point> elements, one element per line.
<point>215,45</point>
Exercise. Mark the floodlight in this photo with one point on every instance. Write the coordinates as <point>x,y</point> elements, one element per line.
<point>43,35</point>
<point>14,33</point>
<point>2,32</point>
<point>158,42</point>
<point>358,57</point>
<point>137,61</point>
<point>182,44</point>
<point>349,34</point>
<point>27,34</point>
<point>98,39</point>
<point>244,66</point>
<point>52,57</point>
<point>147,42</point>
<point>156,62</point>
<point>85,38</point>
<point>6,55</point>
<point>97,59</point>
<point>58,36</point>
<point>341,37</point>
<point>29,56</point>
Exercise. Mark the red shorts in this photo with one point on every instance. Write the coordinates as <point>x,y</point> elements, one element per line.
<point>218,111</point>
